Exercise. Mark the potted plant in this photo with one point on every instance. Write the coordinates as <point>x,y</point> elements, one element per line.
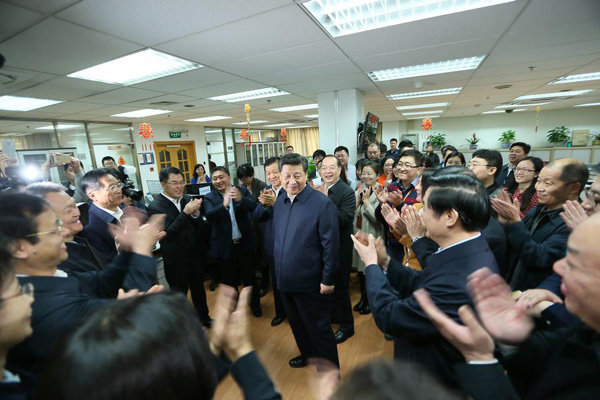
<point>559,136</point>
<point>437,140</point>
<point>473,142</point>
<point>595,139</point>
<point>507,137</point>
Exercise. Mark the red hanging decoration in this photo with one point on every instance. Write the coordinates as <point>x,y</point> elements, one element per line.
<point>121,161</point>
<point>537,117</point>
<point>146,133</point>
<point>283,135</point>
<point>427,125</point>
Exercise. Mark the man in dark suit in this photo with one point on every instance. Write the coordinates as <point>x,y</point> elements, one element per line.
<point>105,191</point>
<point>264,213</point>
<point>32,242</point>
<point>81,256</point>
<point>232,241</point>
<point>182,247</point>
<point>344,200</point>
<point>518,151</point>
<point>456,208</point>
<point>541,238</point>
<point>560,364</point>
<point>306,260</point>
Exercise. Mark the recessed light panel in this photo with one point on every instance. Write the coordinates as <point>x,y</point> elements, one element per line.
<point>494,112</point>
<point>523,105</point>
<point>60,126</point>
<point>18,103</point>
<point>423,112</point>
<point>588,105</point>
<point>296,108</point>
<point>135,68</point>
<point>593,76</point>
<point>417,106</point>
<point>423,117</point>
<point>259,121</point>
<point>441,67</point>
<point>345,17</point>
<point>426,93</point>
<point>249,95</point>
<point>147,112</point>
<point>312,116</point>
<point>277,125</point>
<point>205,119</point>
<point>556,94</point>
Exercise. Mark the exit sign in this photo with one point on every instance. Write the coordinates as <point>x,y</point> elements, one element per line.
<point>175,135</point>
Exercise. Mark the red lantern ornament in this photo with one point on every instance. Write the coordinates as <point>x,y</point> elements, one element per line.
<point>427,125</point>
<point>121,161</point>
<point>146,134</point>
<point>283,135</point>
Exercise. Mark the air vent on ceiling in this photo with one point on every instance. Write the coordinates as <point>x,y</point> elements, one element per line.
<point>164,103</point>
<point>11,77</point>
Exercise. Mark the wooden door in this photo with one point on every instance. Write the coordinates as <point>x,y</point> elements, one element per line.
<point>181,155</point>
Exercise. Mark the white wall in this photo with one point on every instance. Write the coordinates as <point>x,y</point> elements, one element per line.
<point>161,134</point>
<point>489,127</point>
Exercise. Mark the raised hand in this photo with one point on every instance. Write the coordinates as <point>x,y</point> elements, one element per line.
<point>193,207</point>
<point>267,198</point>
<point>226,298</point>
<point>382,194</point>
<point>367,253</point>
<point>392,217</point>
<point>395,198</point>
<point>509,211</point>
<point>471,339</point>
<point>226,198</point>
<point>237,337</point>
<point>122,294</point>
<point>236,194</point>
<point>532,297</point>
<point>499,313</point>
<point>322,188</point>
<point>75,164</point>
<point>573,214</point>
<point>412,220</point>
<point>382,256</point>
<point>130,236</point>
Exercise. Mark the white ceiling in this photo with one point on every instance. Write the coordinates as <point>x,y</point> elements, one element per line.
<point>252,44</point>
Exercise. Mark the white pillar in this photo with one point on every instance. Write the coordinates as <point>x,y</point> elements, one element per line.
<point>340,112</point>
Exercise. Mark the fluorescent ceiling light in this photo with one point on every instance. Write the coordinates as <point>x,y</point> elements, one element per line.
<point>296,108</point>
<point>213,131</point>
<point>17,103</point>
<point>345,17</point>
<point>259,121</point>
<point>556,94</point>
<point>303,126</point>
<point>60,126</point>
<point>277,125</point>
<point>312,116</point>
<point>494,112</point>
<point>423,117</point>
<point>135,68</point>
<point>441,67</point>
<point>249,95</point>
<point>588,105</point>
<point>205,119</point>
<point>594,76</point>
<point>417,106</point>
<point>423,112</point>
<point>427,93</point>
<point>122,129</point>
<point>146,112</point>
<point>523,105</point>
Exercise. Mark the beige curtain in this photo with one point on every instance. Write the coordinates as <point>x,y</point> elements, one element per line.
<point>305,141</point>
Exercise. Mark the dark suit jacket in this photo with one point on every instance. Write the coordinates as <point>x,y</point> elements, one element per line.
<point>397,312</point>
<point>533,254</point>
<point>61,302</point>
<point>502,176</point>
<point>253,379</point>
<point>218,216</point>
<point>344,200</point>
<point>563,364</point>
<point>257,187</point>
<point>265,215</point>
<point>184,233</point>
<point>306,247</point>
<point>96,232</point>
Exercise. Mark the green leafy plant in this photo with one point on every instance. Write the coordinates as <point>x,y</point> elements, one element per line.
<point>474,139</point>
<point>595,136</point>
<point>437,140</point>
<point>560,134</point>
<point>507,136</point>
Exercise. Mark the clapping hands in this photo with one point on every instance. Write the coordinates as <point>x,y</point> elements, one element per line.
<point>267,198</point>
<point>130,236</point>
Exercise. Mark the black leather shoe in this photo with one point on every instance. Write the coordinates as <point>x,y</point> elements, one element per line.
<point>277,320</point>
<point>257,312</point>
<point>360,304</point>
<point>262,292</point>
<point>387,337</point>
<point>342,336</point>
<point>365,309</point>
<point>298,362</point>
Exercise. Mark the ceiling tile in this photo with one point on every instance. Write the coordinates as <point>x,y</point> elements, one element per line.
<point>13,19</point>
<point>187,80</point>
<point>45,6</point>
<point>121,96</point>
<point>240,85</point>
<point>65,88</point>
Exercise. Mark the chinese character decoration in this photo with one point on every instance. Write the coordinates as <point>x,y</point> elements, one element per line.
<point>121,161</point>
<point>146,134</point>
<point>245,133</point>
<point>283,135</point>
<point>537,117</point>
<point>427,125</point>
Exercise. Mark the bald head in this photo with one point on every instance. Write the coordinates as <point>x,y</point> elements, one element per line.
<point>580,272</point>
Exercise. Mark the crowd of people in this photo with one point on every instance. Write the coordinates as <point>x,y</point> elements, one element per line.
<point>485,275</point>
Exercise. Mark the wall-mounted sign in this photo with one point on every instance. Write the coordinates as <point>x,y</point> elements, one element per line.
<point>146,158</point>
<point>580,137</point>
<point>175,135</point>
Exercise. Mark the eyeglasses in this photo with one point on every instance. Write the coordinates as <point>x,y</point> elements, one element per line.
<point>113,188</point>
<point>592,196</point>
<point>176,183</point>
<point>407,166</point>
<point>475,165</point>
<point>26,289</point>
<point>55,231</point>
<point>331,168</point>
<point>519,169</point>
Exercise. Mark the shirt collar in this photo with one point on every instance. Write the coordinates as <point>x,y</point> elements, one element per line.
<point>300,195</point>
<point>459,243</point>
<point>176,202</point>
<point>116,214</point>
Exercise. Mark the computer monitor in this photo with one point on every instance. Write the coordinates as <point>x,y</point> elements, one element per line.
<point>198,189</point>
